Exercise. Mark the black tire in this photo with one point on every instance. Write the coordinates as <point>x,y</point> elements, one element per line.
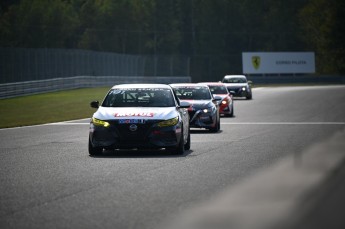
<point>232,112</point>
<point>179,150</point>
<point>94,151</point>
<point>217,127</point>
<point>249,97</point>
<point>187,145</point>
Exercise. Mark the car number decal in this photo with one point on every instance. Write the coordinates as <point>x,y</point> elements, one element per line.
<point>131,121</point>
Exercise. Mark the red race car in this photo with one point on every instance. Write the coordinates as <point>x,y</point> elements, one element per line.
<point>226,105</point>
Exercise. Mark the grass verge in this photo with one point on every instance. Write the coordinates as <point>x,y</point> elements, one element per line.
<point>49,107</point>
<point>57,106</point>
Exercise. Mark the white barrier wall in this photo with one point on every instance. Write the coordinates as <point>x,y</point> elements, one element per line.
<point>278,62</point>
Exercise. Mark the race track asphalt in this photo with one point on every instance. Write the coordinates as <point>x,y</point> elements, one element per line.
<point>48,180</point>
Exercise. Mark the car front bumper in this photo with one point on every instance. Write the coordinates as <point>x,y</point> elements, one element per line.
<point>199,119</point>
<point>226,109</point>
<point>119,136</point>
<point>239,92</point>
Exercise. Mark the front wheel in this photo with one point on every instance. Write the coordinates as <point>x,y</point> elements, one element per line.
<point>187,145</point>
<point>217,127</point>
<point>94,151</point>
<point>232,112</point>
<point>179,149</point>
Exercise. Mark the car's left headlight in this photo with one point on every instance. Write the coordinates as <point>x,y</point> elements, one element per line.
<point>169,122</point>
<point>98,122</point>
<point>243,88</point>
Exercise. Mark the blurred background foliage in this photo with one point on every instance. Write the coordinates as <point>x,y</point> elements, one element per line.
<point>210,32</point>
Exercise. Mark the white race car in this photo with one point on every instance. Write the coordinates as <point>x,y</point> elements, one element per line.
<point>138,116</point>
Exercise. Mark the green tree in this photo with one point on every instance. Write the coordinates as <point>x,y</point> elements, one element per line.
<point>324,31</point>
<point>165,27</point>
<point>214,33</point>
<point>117,26</point>
<point>38,24</point>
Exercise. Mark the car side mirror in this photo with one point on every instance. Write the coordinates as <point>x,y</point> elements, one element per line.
<point>94,104</point>
<point>217,98</point>
<point>184,104</point>
<point>250,82</point>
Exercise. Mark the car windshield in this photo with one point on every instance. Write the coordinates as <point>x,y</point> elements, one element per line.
<point>218,89</point>
<point>235,80</point>
<point>139,97</point>
<point>195,93</point>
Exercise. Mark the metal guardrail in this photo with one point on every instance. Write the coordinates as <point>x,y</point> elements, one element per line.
<point>9,90</point>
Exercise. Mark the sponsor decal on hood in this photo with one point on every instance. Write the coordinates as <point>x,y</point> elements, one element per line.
<point>115,113</point>
<point>199,104</point>
<point>223,96</point>
<point>134,114</point>
<point>236,85</point>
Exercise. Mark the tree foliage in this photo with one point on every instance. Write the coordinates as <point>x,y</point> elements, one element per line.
<point>324,26</point>
<point>39,24</point>
<point>211,32</point>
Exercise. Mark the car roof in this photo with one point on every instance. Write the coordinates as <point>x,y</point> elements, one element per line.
<point>235,76</point>
<point>187,85</point>
<point>212,83</point>
<point>141,86</point>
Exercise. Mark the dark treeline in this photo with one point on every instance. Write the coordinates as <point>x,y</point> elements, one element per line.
<point>213,33</point>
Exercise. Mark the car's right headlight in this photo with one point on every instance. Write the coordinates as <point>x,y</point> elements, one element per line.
<point>208,110</point>
<point>98,122</point>
<point>169,122</point>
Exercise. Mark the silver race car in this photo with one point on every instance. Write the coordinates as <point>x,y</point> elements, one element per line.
<point>204,109</point>
<point>238,86</point>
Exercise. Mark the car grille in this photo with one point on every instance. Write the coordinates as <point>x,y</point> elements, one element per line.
<point>124,134</point>
<point>235,89</point>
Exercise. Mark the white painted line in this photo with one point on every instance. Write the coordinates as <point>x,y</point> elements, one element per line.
<point>236,123</point>
<point>48,124</point>
<point>67,124</point>
<point>283,123</point>
<point>77,120</point>
<point>71,123</point>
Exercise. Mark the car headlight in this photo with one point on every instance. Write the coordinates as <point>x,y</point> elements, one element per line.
<point>224,102</point>
<point>243,88</point>
<point>207,110</point>
<point>169,122</point>
<point>98,122</point>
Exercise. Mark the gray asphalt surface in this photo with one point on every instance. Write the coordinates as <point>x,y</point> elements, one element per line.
<point>49,181</point>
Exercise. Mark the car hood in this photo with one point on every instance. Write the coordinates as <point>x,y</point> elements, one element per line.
<point>223,96</point>
<point>200,104</point>
<point>115,113</point>
<point>236,85</point>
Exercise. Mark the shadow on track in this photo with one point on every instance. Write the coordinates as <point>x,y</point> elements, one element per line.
<point>134,153</point>
<point>203,131</point>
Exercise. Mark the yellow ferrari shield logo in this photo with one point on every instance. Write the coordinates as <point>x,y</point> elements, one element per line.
<point>256,61</point>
